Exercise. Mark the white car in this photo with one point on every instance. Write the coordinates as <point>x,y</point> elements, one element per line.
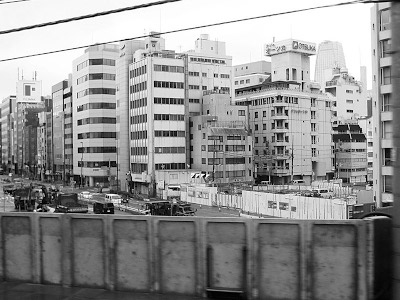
<point>85,195</point>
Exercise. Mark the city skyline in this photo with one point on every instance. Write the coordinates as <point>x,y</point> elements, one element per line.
<point>356,42</point>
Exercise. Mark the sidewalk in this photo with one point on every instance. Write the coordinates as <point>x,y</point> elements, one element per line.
<point>24,291</point>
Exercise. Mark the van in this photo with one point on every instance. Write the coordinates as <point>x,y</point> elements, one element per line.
<point>114,199</point>
<point>324,193</point>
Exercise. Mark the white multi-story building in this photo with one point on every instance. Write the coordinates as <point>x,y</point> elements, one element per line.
<point>351,95</point>
<point>166,88</point>
<point>126,52</point>
<point>382,104</point>
<point>252,74</point>
<point>94,115</point>
<point>289,119</point>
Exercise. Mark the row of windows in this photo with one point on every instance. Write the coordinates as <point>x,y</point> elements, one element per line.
<point>96,91</point>
<point>139,119</point>
<point>139,135</point>
<point>178,101</point>
<point>166,150</point>
<point>353,170</point>
<point>165,117</point>
<point>217,148</point>
<point>97,164</point>
<point>194,74</point>
<point>139,168</point>
<point>173,166</point>
<point>98,120</point>
<point>228,161</point>
<point>95,76</point>
<point>96,62</point>
<point>168,84</point>
<point>97,150</point>
<point>138,87</point>
<point>138,71</point>
<point>214,61</point>
<point>277,99</point>
<point>164,68</point>
<point>139,150</point>
<point>194,100</point>
<point>97,105</point>
<point>139,103</point>
<point>97,135</point>
<point>169,133</point>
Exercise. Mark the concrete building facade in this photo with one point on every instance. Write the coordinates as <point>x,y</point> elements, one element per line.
<point>351,95</point>
<point>382,103</point>
<point>290,120</point>
<point>166,88</point>
<point>222,146</point>
<point>251,74</point>
<point>350,153</point>
<point>94,116</point>
<point>7,122</point>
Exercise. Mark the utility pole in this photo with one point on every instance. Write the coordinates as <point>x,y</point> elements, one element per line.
<point>291,177</point>
<point>117,167</point>
<point>82,165</point>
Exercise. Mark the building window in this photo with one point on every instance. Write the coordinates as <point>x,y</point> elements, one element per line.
<point>256,127</point>
<point>236,82</point>
<point>241,112</point>
<point>385,20</point>
<point>256,140</point>
<point>349,111</point>
<point>349,101</point>
<point>386,46</point>
<point>247,80</point>
<point>287,74</point>
<point>313,152</point>
<point>385,75</point>
<point>387,184</point>
<point>387,130</point>
<point>264,126</point>
<point>204,74</point>
<point>256,114</point>
<point>386,102</point>
<point>215,75</point>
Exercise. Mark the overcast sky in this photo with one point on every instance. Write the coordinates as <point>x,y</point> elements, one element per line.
<point>349,25</point>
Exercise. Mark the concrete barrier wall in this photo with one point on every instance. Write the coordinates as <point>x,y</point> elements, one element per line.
<point>288,206</point>
<point>261,258</point>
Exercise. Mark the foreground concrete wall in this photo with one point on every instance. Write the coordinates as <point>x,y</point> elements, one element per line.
<point>261,258</point>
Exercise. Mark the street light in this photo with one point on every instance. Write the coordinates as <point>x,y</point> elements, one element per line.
<point>82,165</point>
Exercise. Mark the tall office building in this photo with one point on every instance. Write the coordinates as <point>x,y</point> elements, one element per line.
<point>7,120</point>
<point>94,115</point>
<point>126,51</point>
<point>382,104</point>
<point>166,88</point>
<point>290,119</point>
<point>330,55</point>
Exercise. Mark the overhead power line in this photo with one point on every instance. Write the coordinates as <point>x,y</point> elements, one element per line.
<point>15,1</point>
<point>99,14</point>
<point>191,28</point>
